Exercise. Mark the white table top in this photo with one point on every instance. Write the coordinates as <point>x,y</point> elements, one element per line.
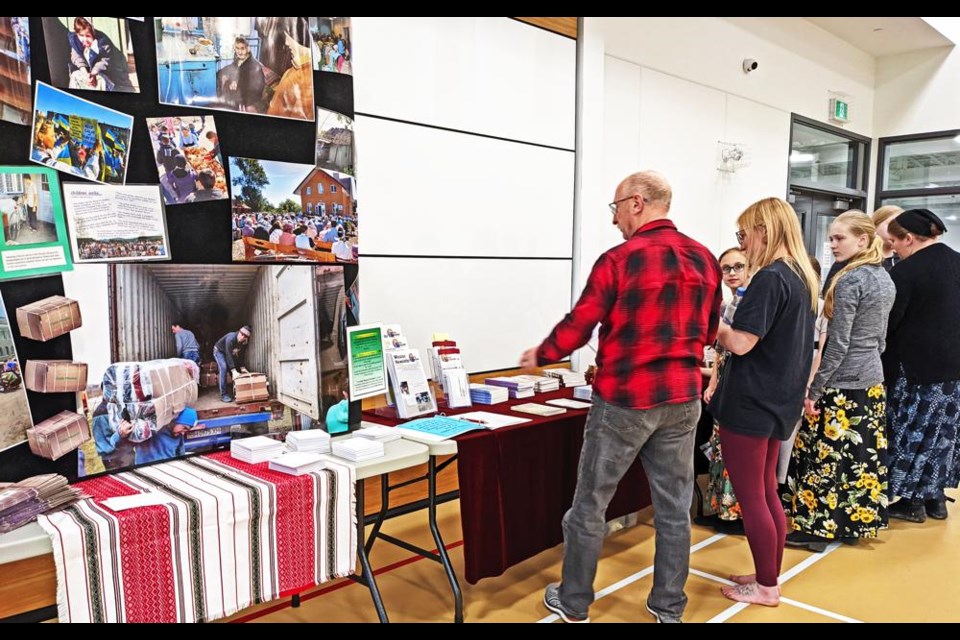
<point>399,454</point>
<point>444,448</point>
<point>28,541</point>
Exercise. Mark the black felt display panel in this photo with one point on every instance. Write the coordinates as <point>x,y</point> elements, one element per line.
<point>199,233</point>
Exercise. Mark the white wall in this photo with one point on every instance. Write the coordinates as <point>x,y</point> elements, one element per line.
<point>661,92</point>
<point>465,138</point>
<point>918,92</point>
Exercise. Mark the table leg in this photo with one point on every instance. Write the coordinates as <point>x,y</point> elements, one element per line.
<point>368,576</point>
<point>438,539</point>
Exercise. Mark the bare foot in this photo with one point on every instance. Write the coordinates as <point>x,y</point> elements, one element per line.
<point>753,593</point>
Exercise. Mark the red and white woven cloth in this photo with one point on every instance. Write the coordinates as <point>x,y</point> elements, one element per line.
<point>235,535</point>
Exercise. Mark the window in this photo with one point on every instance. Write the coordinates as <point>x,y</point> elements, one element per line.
<point>319,188</point>
<point>11,183</point>
<point>333,188</point>
<point>309,192</point>
<point>922,171</point>
<point>822,157</point>
<point>310,208</point>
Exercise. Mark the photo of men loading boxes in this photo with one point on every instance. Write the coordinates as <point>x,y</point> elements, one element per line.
<point>266,337</point>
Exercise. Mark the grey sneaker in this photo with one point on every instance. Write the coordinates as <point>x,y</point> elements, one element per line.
<point>661,617</point>
<point>551,600</point>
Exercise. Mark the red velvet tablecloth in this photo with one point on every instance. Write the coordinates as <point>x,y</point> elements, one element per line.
<point>517,482</point>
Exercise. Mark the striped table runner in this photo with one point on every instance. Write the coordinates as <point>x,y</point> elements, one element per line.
<point>235,535</point>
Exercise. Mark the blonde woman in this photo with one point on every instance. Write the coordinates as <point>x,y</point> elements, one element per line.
<point>759,398</point>
<point>838,479</point>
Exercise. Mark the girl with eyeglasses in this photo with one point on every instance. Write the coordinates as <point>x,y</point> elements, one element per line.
<point>733,265</point>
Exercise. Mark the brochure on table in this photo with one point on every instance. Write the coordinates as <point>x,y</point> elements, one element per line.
<point>366,362</point>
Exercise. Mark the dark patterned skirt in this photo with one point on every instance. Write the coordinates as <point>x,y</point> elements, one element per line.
<point>837,483</point>
<point>924,452</point>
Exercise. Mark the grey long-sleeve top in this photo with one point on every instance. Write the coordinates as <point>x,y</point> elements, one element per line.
<point>857,332</point>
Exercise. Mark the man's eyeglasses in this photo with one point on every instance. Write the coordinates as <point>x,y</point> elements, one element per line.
<point>613,205</point>
<point>737,268</point>
<point>741,236</point>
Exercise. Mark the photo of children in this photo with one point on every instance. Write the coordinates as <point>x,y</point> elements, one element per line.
<point>335,149</point>
<point>94,54</point>
<point>15,70</point>
<point>332,48</point>
<point>286,211</point>
<point>187,152</point>
<point>79,137</point>
<point>259,66</point>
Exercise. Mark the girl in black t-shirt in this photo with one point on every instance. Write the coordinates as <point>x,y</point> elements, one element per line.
<point>760,395</point>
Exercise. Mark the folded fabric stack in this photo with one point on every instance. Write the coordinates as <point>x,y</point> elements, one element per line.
<point>22,502</point>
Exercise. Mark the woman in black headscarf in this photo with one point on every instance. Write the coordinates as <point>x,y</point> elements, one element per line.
<point>922,368</point>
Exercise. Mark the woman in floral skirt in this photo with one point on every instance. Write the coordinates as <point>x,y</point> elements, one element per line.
<point>838,477</point>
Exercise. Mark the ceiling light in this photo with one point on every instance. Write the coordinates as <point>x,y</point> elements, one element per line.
<point>796,157</point>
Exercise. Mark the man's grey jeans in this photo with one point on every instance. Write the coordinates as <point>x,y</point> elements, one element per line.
<point>612,438</point>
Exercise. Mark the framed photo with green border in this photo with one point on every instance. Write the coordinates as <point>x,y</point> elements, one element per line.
<point>34,239</point>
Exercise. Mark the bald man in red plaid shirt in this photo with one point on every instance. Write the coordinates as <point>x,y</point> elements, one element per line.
<point>657,298</point>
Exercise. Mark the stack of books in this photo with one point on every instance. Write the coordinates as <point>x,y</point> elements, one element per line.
<point>583,393</point>
<point>488,394</point>
<point>255,450</point>
<point>378,433</point>
<point>357,449</point>
<point>297,464</point>
<point>567,377</point>
<point>517,388</point>
<point>311,441</point>
<point>541,384</point>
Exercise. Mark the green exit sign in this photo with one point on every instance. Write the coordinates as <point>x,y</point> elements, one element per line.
<point>839,110</point>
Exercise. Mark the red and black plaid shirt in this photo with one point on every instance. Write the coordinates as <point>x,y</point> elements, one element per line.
<point>658,298</point>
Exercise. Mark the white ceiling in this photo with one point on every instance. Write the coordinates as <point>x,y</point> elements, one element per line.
<point>884,36</point>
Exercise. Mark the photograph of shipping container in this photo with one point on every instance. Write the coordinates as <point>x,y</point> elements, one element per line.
<point>296,315</point>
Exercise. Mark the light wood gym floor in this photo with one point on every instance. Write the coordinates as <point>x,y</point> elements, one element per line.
<point>911,574</point>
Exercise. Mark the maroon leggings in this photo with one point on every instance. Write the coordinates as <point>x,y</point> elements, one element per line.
<point>752,465</point>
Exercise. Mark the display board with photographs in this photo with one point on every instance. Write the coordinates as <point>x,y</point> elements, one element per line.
<point>15,90</point>
<point>133,207</point>
<point>285,211</point>
<point>80,137</point>
<point>187,152</point>
<point>260,66</point>
<point>34,231</point>
<point>92,54</point>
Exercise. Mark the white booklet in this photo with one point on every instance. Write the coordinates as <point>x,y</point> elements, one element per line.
<point>569,404</point>
<point>538,409</point>
<point>298,463</point>
<point>491,420</point>
<point>409,383</point>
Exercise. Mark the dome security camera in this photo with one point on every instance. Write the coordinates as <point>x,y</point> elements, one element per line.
<point>749,64</point>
